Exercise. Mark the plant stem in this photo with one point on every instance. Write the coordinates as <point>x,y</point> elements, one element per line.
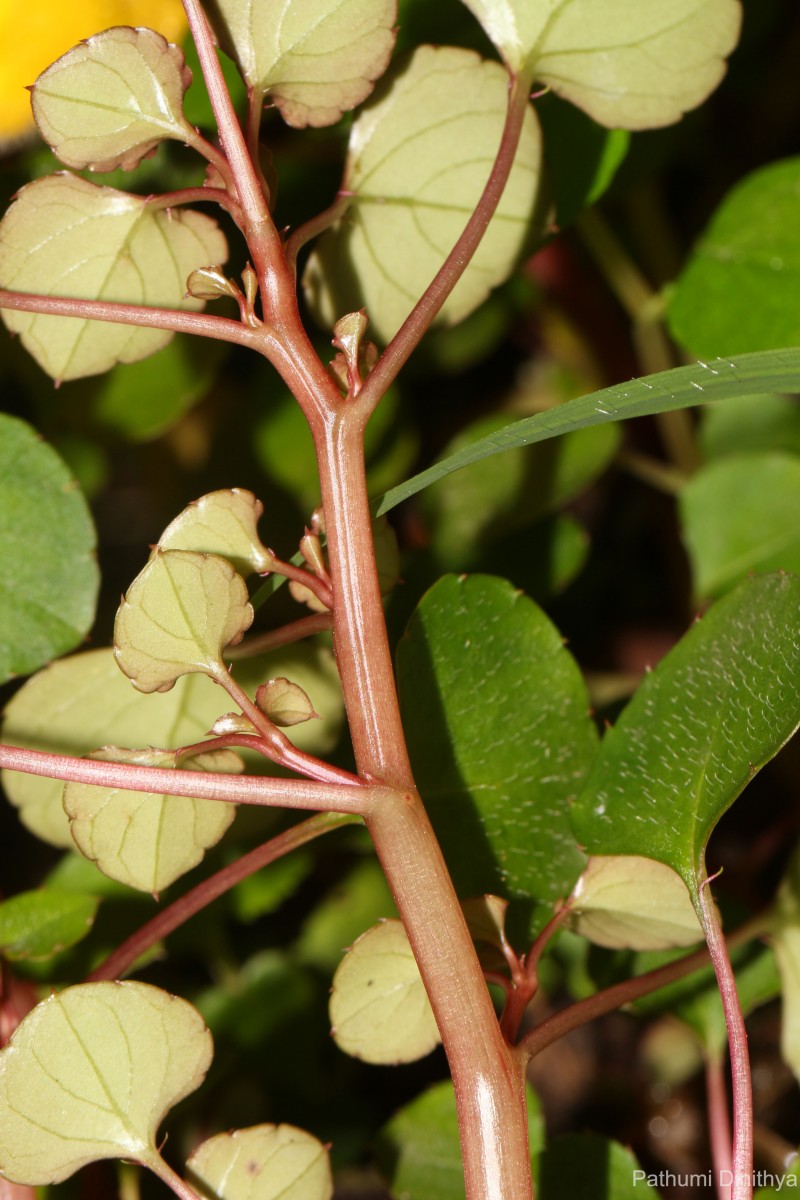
<point>742,1088</point>
<point>285,635</point>
<point>166,1174</point>
<point>176,914</point>
<point>719,1126</point>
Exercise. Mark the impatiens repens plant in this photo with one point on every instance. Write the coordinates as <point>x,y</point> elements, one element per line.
<point>497,828</point>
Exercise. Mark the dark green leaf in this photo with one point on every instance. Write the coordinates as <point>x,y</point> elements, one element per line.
<point>682,387</point>
<point>581,156</point>
<point>48,573</point>
<point>750,423</point>
<point>585,1166</point>
<point>497,718</point>
<point>36,925</point>
<point>715,709</point>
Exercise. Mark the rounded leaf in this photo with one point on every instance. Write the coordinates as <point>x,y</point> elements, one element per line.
<point>284,702</point>
<point>36,925</point>
<point>379,1008</point>
<point>223,523</point>
<point>90,1073</point>
<point>265,1162</point>
<point>145,840</point>
<point>108,102</point>
<point>180,613</point>
<point>314,59</point>
<point>627,64</point>
<point>64,236</point>
<point>48,572</point>
<point>634,903</point>
<point>413,189</point>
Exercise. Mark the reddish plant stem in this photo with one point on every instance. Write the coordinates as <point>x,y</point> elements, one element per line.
<point>180,911</point>
<point>196,195</point>
<point>294,631</point>
<point>202,785</point>
<point>742,1087</point>
<point>719,1126</point>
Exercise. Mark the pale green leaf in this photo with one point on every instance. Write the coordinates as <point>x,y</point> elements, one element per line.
<point>314,59</point>
<point>379,1008</point>
<point>284,702</point>
<point>82,702</point>
<point>629,902</point>
<point>90,1074</point>
<point>628,64</point>
<point>64,236</point>
<point>109,102</point>
<point>418,160</point>
<point>786,944</point>
<point>223,523</point>
<point>48,573</point>
<point>36,925</point>
<point>141,839</point>
<point>265,1162</point>
<point>178,616</point>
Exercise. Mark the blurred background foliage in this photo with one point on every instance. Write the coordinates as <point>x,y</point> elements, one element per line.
<point>621,533</point>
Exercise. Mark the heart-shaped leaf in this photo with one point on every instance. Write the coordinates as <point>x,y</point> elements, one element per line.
<point>714,710</point>
<point>178,616</point>
<point>64,236</point>
<point>48,573</point>
<point>379,1008</point>
<point>145,840</point>
<point>223,523</point>
<point>627,64</point>
<point>314,59</point>
<point>90,1073</point>
<point>109,102</point>
<point>79,703</point>
<point>413,190</point>
<point>265,1162</point>
<point>36,925</point>
<point>627,902</point>
<point>500,737</point>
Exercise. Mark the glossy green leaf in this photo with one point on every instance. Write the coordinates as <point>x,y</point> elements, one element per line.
<point>627,64</point>
<point>413,191</point>
<point>48,573</point>
<point>313,59</point>
<point>628,902</point>
<point>36,925</point>
<point>109,102</point>
<point>582,157</point>
<point>101,244</point>
<point>223,523</point>
<point>497,719</point>
<point>739,515</point>
<point>178,616</point>
<point>682,387</point>
<point>265,1162</point>
<point>83,702</point>
<point>594,1168</point>
<point>740,286</point>
<point>786,944</point>
<point>714,710</point>
<point>145,840</point>
<point>379,1008</point>
<point>77,1081</point>
<point>747,424</point>
<point>418,1151</point>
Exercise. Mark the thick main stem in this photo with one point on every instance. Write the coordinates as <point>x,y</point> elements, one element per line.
<point>488,1077</point>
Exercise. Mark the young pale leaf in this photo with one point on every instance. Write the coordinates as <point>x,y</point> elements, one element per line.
<point>500,737</point>
<point>82,702</point>
<point>627,64</point>
<point>180,613</point>
<point>90,1073</point>
<point>633,903</point>
<point>145,840</point>
<point>223,523</point>
<point>379,1008</point>
<point>714,710</point>
<point>265,1162</point>
<point>110,101</point>
<point>100,244</point>
<point>740,285</point>
<point>413,191</point>
<point>36,925</point>
<point>740,515</point>
<point>48,573</point>
<point>284,702</point>
<point>313,59</point>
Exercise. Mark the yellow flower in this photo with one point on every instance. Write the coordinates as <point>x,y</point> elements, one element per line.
<point>36,33</point>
